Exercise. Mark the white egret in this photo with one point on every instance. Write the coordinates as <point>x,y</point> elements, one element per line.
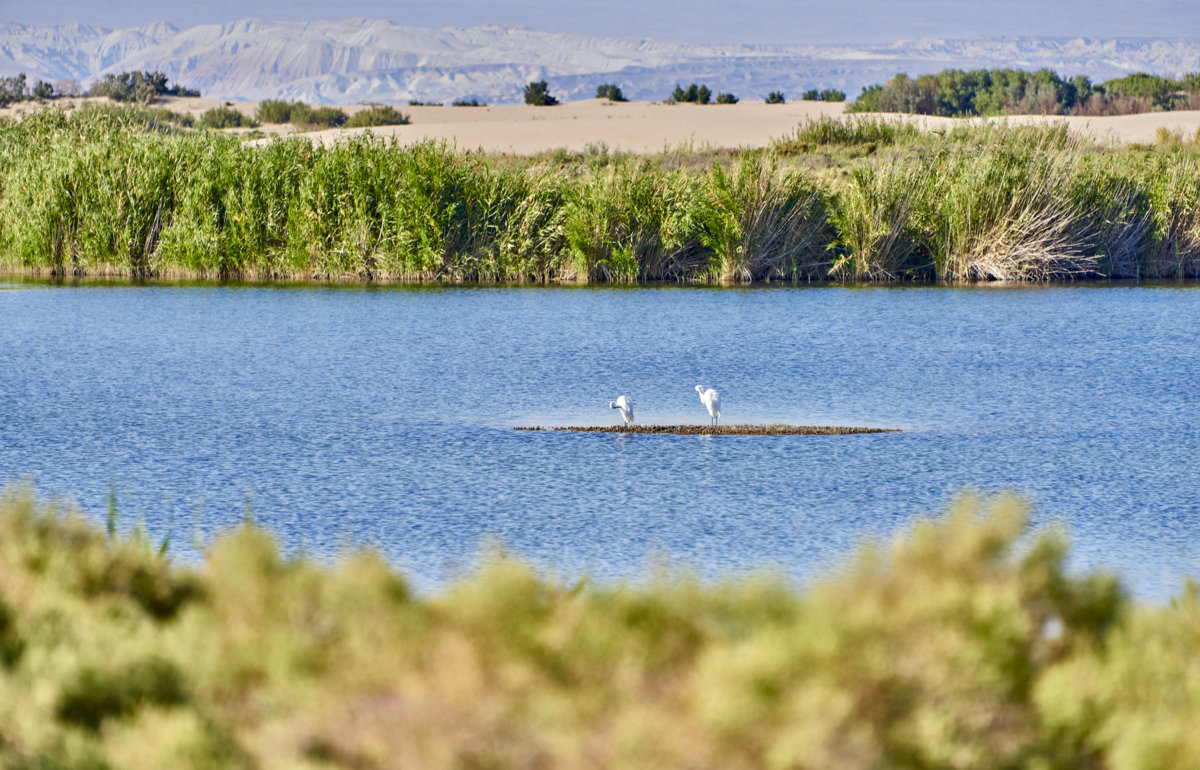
<point>626,407</point>
<point>712,400</point>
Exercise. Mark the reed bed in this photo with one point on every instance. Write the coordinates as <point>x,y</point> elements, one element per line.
<point>112,192</point>
<point>964,642</point>
<point>721,430</point>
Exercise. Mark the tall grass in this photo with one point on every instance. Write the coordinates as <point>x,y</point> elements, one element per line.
<point>853,131</point>
<point>1021,208</point>
<point>962,643</point>
<point>761,222</point>
<point>119,192</point>
<point>1174,207</point>
<point>631,220</point>
<point>878,236</point>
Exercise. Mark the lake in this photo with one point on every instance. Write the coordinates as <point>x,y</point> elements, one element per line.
<point>382,417</point>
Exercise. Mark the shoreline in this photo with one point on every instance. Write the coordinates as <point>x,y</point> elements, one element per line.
<point>184,279</point>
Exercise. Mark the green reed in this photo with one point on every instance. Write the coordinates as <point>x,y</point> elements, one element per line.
<point>763,222</point>
<point>108,192</point>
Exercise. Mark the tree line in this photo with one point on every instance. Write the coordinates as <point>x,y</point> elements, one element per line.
<point>537,93</point>
<point>982,92</point>
<point>143,86</point>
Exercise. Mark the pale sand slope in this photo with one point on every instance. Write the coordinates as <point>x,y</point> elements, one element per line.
<point>647,127</point>
<point>640,127</point>
<point>650,127</point>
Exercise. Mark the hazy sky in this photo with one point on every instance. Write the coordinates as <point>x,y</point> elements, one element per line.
<point>701,21</point>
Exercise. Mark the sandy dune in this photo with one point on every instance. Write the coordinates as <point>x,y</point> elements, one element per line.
<point>646,127</point>
<point>650,127</point>
<point>633,126</point>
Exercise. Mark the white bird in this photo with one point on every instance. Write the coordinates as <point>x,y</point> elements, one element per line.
<point>626,407</point>
<point>712,400</point>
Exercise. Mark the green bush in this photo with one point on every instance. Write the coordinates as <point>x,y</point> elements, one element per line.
<point>776,97</point>
<point>139,86</point>
<point>467,103</point>
<point>377,115</point>
<point>317,117</point>
<point>538,94</point>
<point>226,117</point>
<point>724,98</point>
<point>825,95</point>
<point>693,94</point>
<point>301,114</point>
<point>610,91</point>
<point>963,642</point>
<point>855,131</point>
<point>274,111</point>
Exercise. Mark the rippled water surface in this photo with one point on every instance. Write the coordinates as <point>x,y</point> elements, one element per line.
<point>356,416</point>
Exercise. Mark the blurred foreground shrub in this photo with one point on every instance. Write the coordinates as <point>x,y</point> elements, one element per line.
<point>960,644</point>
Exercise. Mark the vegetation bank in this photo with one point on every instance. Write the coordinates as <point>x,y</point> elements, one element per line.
<point>124,192</point>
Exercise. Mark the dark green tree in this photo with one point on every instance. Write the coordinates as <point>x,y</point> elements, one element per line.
<point>538,94</point>
<point>811,95</point>
<point>1080,90</point>
<point>142,86</point>
<point>724,98</point>
<point>12,89</point>
<point>954,93</point>
<point>1159,91</point>
<point>776,97</point>
<point>610,91</point>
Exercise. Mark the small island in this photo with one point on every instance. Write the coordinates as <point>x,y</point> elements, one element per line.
<point>721,430</point>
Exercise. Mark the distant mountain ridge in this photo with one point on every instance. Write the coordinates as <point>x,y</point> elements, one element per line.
<point>361,60</point>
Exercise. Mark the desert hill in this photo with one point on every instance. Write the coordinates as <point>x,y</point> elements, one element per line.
<point>361,60</point>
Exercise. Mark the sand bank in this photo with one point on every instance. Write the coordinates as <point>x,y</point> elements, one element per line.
<point>644,127</point>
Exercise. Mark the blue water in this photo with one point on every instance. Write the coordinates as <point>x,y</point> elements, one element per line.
<point>383,417</point>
